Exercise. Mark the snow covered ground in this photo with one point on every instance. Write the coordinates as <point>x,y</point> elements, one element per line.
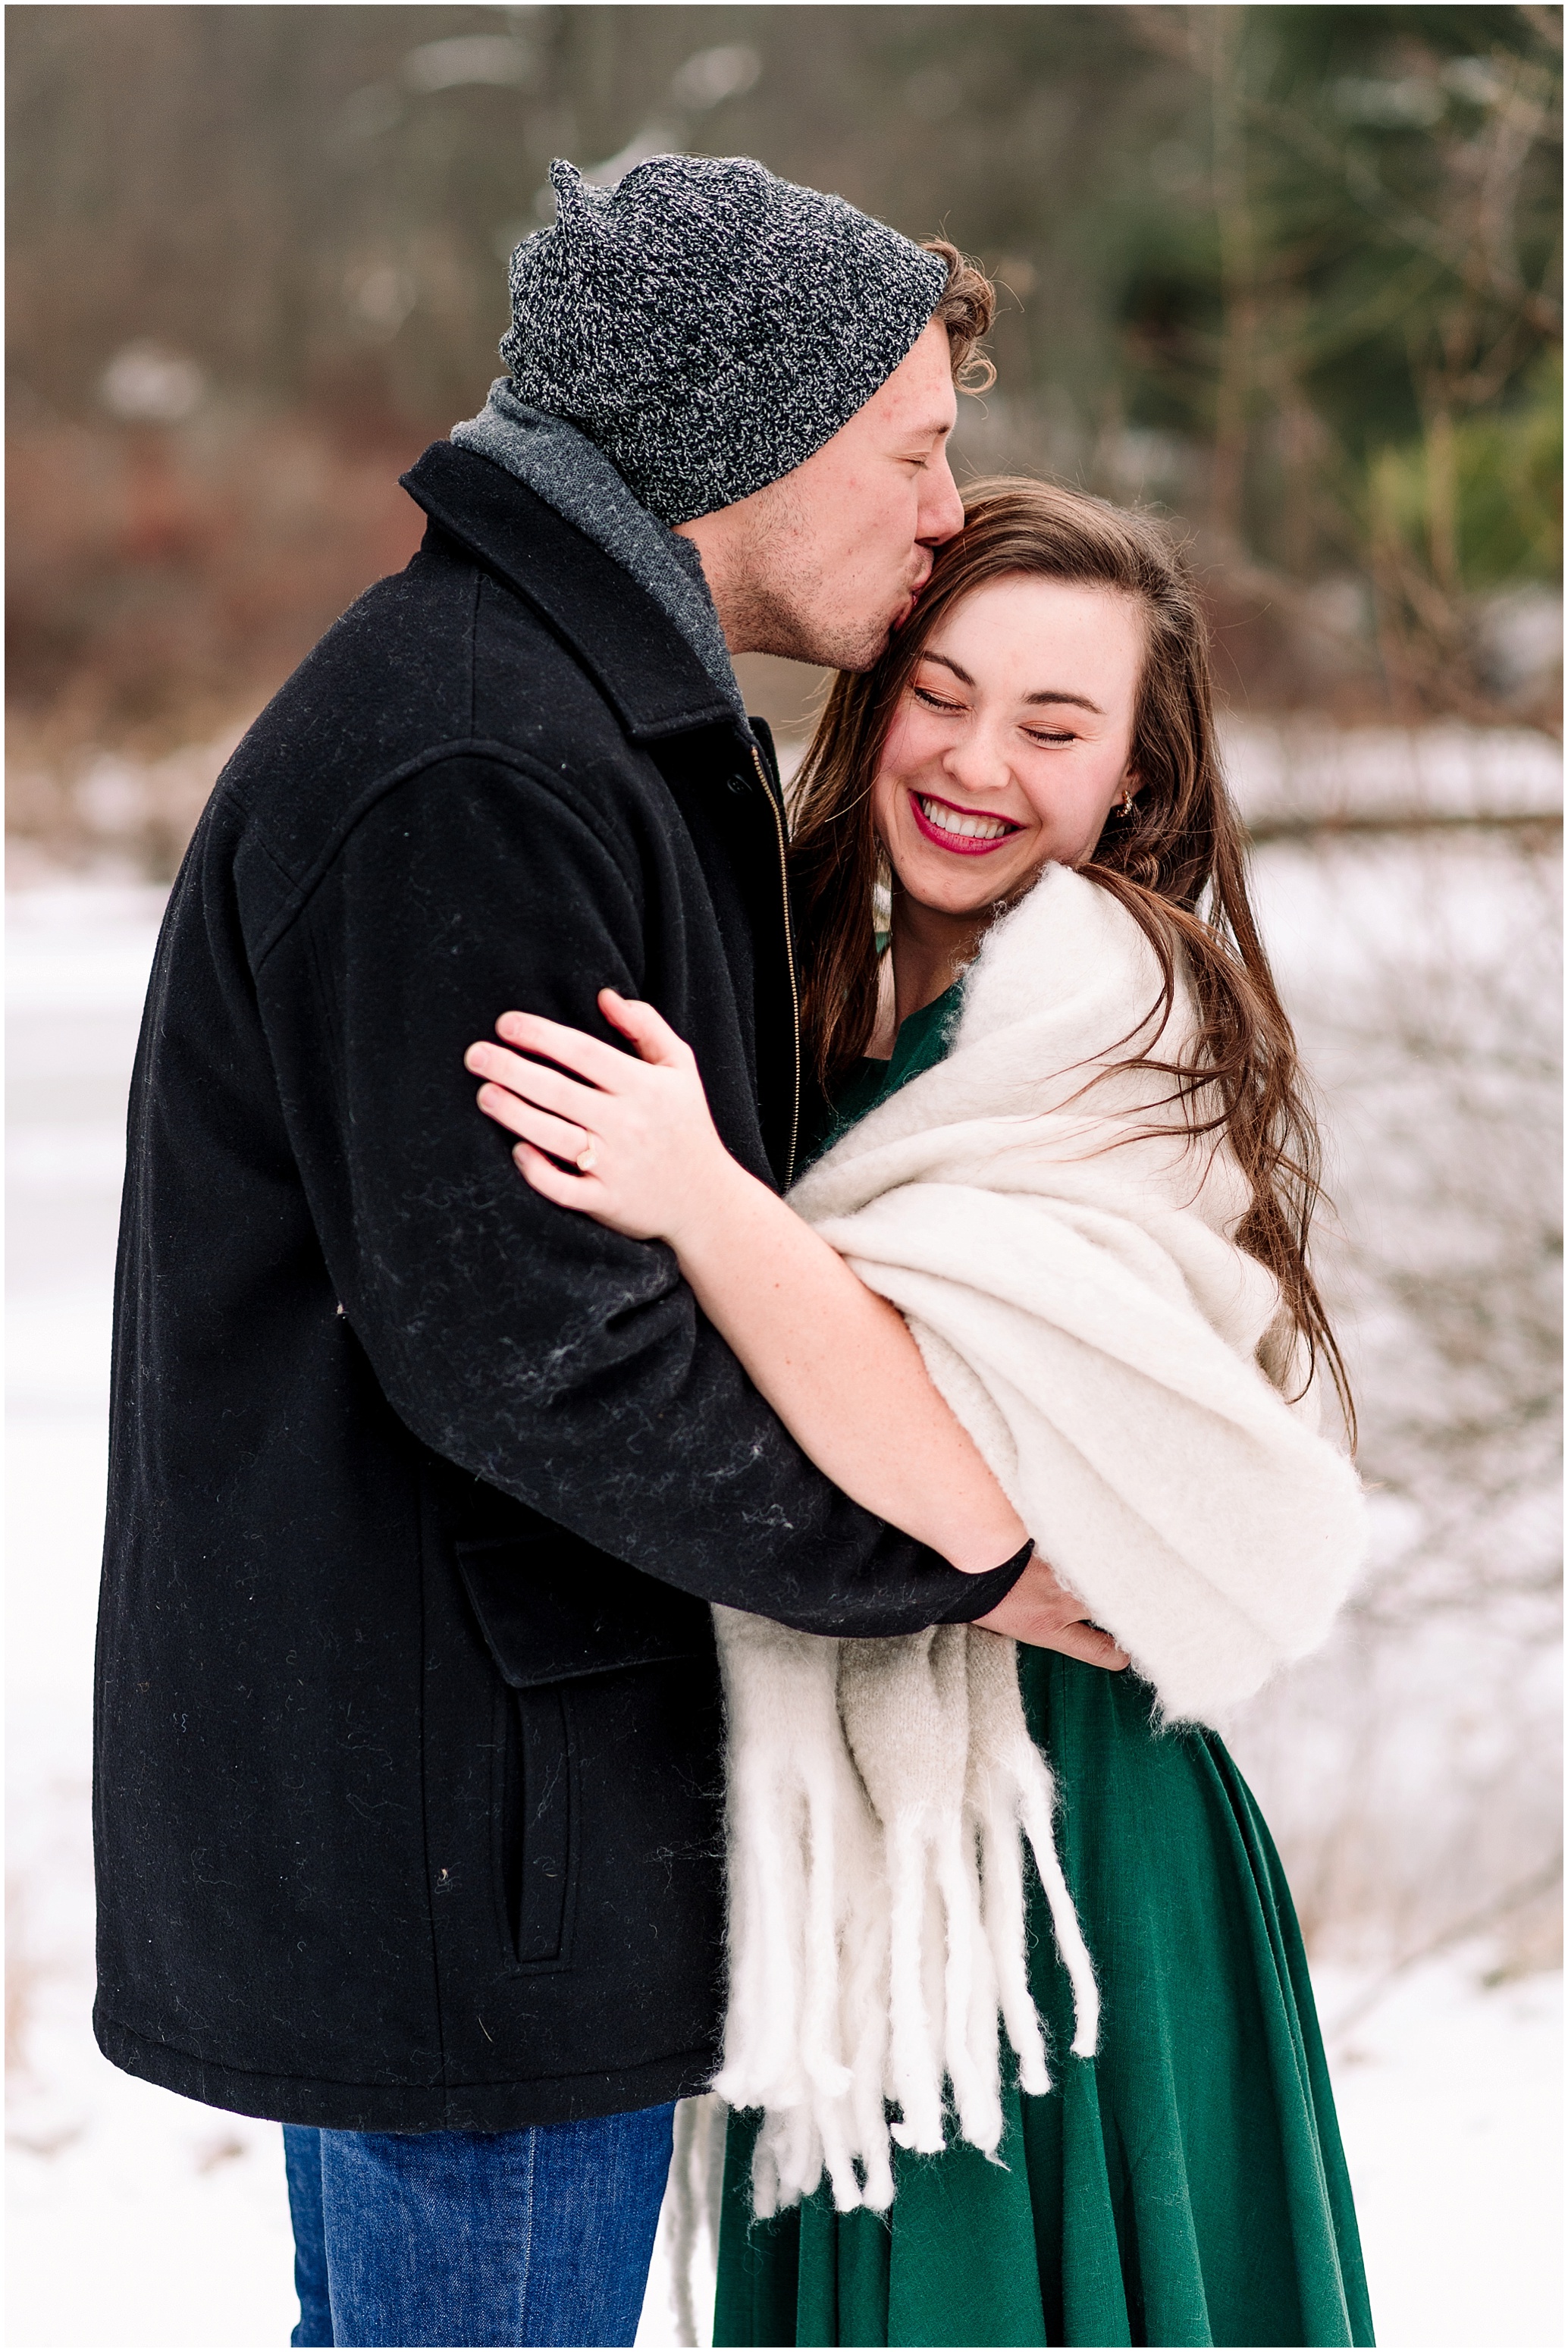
<point>140,2219</point>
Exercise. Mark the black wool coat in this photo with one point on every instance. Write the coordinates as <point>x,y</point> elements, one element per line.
<point>407,1715</point>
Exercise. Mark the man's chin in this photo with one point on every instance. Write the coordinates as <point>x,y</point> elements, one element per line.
<point>828,647</point>
<point>865,654</point>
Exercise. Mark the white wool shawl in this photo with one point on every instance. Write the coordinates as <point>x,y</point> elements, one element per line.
<point>1060,1245</point>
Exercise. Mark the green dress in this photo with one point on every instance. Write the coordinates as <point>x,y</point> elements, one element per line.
<point>1188,2185</point>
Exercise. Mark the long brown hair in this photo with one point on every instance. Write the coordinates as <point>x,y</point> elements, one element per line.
<point>1177,861</point>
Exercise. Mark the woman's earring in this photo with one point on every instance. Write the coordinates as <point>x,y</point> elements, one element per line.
<point>1126,808</point>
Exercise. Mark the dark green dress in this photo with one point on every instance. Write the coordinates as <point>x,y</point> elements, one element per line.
<point>1188,2185</point>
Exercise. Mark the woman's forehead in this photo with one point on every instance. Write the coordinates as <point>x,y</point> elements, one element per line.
<point>1039,637</point>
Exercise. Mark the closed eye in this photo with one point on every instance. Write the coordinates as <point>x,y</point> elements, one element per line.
<point>1037,735</point>
<point>935,701</point>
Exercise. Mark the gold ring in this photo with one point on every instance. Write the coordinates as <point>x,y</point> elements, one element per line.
<point>587,1156</point>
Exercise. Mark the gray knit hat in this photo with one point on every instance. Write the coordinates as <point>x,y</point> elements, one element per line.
<point>708,326</point>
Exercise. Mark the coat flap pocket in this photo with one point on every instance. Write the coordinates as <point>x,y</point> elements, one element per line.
<point>553,1609</point>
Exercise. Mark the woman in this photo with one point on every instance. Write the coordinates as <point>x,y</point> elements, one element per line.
<point>1130,1141</point>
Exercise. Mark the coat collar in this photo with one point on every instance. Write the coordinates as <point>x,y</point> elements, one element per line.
<point>641,664</point>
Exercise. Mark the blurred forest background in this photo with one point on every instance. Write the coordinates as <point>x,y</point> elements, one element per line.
<point>1291,275</point>
<point>1290,272</point>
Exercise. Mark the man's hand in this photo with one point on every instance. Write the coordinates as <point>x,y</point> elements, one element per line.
<point>1048,1616</point>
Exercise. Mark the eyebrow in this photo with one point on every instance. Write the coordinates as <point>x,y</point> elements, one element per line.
<point>1081,701</point>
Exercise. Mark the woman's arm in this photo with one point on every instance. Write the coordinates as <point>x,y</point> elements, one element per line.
<point>835,1362</point>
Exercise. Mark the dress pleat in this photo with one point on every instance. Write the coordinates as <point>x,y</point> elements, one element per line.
<point>1186,2186</point>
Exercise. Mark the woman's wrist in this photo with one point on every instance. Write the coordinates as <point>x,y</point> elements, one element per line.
<point>972,1566</point>
<point>724,1206</point>
<point>1002,1536</point>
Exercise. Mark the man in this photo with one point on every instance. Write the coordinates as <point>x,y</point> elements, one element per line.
<point>408,1724</point>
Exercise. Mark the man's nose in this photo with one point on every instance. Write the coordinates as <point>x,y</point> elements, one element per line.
<point>942,508</point>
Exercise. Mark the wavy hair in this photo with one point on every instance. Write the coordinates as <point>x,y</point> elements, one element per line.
<point>966,309</point>
<point>1177,861</point>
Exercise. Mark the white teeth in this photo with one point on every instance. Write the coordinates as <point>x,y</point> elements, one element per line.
<point>976,828</point>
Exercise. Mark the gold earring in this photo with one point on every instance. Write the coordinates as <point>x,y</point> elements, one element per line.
<point>1126,809</point>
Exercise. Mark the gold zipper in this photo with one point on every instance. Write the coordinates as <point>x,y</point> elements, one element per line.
<point>767,783</point>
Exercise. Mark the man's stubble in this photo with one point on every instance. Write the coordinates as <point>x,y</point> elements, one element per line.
<point>784,599</point>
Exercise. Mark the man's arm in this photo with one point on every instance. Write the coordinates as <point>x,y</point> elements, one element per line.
<point>564,1363</point>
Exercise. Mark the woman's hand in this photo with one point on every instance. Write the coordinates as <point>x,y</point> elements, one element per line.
<point>644,1154</point>
<point>838,1365</point>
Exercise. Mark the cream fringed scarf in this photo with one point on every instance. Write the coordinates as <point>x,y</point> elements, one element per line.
<point>1121,1365</point>
<point>876,1791</point>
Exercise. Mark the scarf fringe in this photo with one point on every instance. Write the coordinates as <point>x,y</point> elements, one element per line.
<point>880,1794</point>
<point>689,2219</point>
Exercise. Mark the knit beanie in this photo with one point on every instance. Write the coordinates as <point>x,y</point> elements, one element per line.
<point>708,326</point>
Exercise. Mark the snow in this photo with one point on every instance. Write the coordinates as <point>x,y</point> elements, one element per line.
<point>1285,772</point>
<point>1449,2097</point>
<point>138,2218</point>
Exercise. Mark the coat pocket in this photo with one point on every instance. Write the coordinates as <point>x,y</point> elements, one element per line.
<point>553,1609</point>
<point>533,1813</point>
<point>555,1613</point>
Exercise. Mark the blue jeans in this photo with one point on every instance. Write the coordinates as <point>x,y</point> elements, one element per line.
<point>541,2236</point>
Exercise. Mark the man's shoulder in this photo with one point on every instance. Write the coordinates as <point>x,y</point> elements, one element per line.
<point>438,661</point>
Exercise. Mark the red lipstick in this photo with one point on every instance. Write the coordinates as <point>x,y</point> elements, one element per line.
<point>961,844</point>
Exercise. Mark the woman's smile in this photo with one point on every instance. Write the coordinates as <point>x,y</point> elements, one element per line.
<point>1008,747</point>
<point>967,832</point>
